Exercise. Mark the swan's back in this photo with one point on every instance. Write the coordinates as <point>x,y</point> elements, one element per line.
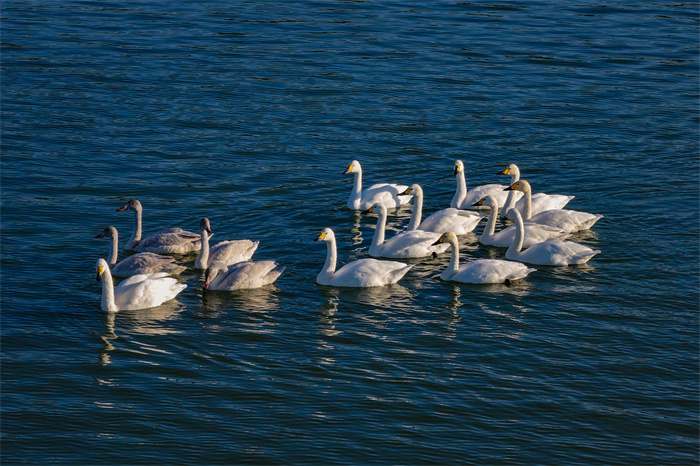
<point>170,241</point>
<point>248,274</point>
<point>386,193</point>
<point>486,271</point>
<point>534,233</point>
<point>415,243</point>
<point>458,221</point>
<point>542,202</point>
<point>369,273</point>
<point>568,220</point>
<point>146,263</point>
<point>146,290</point>
<point>559,253</point>
<point>231,252</point>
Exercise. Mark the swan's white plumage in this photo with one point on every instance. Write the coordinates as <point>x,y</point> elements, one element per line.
<point>559,253</point>
<point>540,201</point>
<point>136,292</point>
<point>416,243</point>
<point>166,241</point>
<point>567,220</point>
<point>139,263</point>
<point>458,221</point>
<point>534,233</point>
<point>386,193</point>
<point>465,199</point>
<point>361,273</point>
<point>480,271</point>
<point>242,275</point>
<point>225,252</point>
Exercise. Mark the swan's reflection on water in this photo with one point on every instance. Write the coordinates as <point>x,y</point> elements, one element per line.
<point>253,300</point>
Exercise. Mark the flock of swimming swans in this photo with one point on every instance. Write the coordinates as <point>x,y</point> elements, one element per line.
<point>537,237</point>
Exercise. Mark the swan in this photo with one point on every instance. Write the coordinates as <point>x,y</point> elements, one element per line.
<point>226,252</point>
<point>136,292</point>
<point>359,273</point>
<point>481,271</point>
<point>534,232</point>
<point>384,192</point>
<point>458,221</point>
<point>166,241</point>
<point>560,253</point>
<point>416,243</point>
<point>243,275</point>
<point>141,262</point>
<point>464,199</point>
<point>568,220</point>
<point>540,201</point>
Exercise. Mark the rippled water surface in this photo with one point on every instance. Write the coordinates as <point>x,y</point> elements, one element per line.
<point>248,113</point>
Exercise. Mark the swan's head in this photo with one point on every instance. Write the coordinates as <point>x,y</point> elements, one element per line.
<point>379,206</point>
<point>133,205</point>
<point>211,273</point>
<point>487,201</point>
<point>204,225</point>
<point>326,235</point>
<point>511,170</point>
<point>109,232</point>
<point>101,267</point>
<point>520,185</point>
<point>414,190</point>
<point>448,237</point>
<point>459,167</point>
<point>354,167</point>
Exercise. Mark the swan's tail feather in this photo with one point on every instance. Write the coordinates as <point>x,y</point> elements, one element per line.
<point>583,257</point>
<point>398,274</point>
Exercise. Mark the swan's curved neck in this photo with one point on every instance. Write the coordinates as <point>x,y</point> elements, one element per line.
<point>453,266</point>
<point>380,231</point>
<point>417,213</point>
<point>113,253</point>
<point>490,227</point>
<point>510,200</point>
<point>461,191</point>
<point>136,235</point>
<point>356,195</point>
<point>527,212</point>
<point>203,257</point>
<point>331,259</point>
<point>108,304</point>
<point>517,243</point>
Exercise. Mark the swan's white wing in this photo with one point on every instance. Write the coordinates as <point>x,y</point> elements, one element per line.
<point>416,243</point>
<point>369,272</point>
<point>480,192</point>
<point>542,202</point>
<point>231,252</point>
<point>146,290</point>
<point>567,220</point>
<point>386,193</point>
<point>558,253</point>
<point>491,271</point>
<point>460,222</point>
<point>534,233</point>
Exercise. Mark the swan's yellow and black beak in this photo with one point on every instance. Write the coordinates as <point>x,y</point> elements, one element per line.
<point>441,240</point>
<point>457,170</point>
<point>406,193</point>
<point>100,271</point>
<point>321,237</point>
<point>511,187</point>
<point>506,171</point>
<point>369,211</point>
<point>478,203</point>
<point>348,170</point>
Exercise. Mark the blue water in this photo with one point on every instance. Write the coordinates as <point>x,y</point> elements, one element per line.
<point>247,113</point>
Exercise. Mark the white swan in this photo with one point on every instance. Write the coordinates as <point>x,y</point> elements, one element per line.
<point>458,221</point>
<point>359,273</point>
<point>136,292</point>
<point>416,243</point>
<point>464,199</point>
<point>226,252</point>
<point>166,241</point>
<point>139,263</point>
<point>560,253</point>
<point>540,201</point>
<point>568,220</point>
<point>480,271</point>
<point>387,193</point>
<point>240,276</point>
<point>534,232</point>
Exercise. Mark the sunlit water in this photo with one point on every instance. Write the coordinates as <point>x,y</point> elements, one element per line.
<point>247,113</point>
